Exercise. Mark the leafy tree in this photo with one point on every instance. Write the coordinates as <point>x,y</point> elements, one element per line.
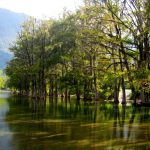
<point>91,53</point>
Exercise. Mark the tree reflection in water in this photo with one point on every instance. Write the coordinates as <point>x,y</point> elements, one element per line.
<point>58,124</point>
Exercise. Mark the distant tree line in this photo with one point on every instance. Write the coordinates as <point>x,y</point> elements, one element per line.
<point>102,48</point>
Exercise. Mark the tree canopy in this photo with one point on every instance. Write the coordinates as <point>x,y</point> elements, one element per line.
<point>93,53</point>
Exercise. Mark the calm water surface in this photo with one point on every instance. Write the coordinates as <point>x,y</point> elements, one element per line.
<point>30,125</point>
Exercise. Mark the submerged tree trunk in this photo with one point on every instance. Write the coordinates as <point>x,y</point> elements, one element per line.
<point>27,87</point>
<point>66,94</point>
<point>122,80</point>
<point>51,87</point>
<point>56,88</point>
<point>42,88</point>
<point>34,88</point>
<point>116,100</point>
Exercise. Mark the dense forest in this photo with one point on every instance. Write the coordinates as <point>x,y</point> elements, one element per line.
<point>93,53</point>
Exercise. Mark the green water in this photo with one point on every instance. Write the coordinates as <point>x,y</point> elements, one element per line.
<point>31,125</point>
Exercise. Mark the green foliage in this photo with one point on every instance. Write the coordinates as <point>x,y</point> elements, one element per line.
<point>145,85</point>
<point>3,80</point>
<point>141,73</point>
<point>95,51</point>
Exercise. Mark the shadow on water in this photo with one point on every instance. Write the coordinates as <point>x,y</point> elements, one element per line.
<point>57,124</point>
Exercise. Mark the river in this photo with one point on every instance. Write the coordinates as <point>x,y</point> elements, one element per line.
<point>32,125</point>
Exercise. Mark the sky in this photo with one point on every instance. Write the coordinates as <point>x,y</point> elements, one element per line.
<point>40,8</point>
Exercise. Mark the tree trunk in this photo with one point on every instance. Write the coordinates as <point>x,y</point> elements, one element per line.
<point>51,88</point>
<point>116,83</point>
<point>95,79</point>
